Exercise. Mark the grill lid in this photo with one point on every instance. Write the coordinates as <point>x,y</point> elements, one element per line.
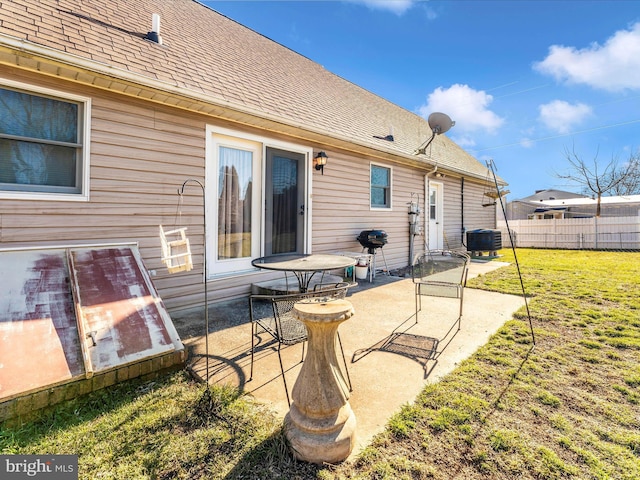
<point>372,238</point>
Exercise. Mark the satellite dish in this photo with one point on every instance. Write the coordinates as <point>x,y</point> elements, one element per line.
<point>440,122</point>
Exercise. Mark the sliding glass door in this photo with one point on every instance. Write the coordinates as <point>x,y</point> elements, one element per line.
<point>285,208</point>
<point>255,200</point>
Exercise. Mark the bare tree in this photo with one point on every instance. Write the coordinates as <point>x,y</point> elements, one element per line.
<point>614,178</point>
<point>630,183</point>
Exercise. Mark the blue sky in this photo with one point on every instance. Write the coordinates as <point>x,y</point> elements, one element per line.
<point>525,81</point>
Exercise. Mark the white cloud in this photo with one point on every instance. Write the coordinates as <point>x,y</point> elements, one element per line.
<point>563,116</point>
<point>612,66</point>
<point>466,106</point>
<point>431,13</point>
<point>396,6</point>
<point>465,141</point>
<point>527,142</point>
<point>528,137</point>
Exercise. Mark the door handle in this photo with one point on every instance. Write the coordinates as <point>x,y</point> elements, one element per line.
<point>302,209</point>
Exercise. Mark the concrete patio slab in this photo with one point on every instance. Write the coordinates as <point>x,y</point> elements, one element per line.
<point>390,356</point>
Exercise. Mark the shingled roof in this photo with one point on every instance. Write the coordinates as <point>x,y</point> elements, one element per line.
<point>209,57</point>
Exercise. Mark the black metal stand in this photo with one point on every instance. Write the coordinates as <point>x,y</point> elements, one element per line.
<point>491,166</point>
<point>372,252</point>
<point>206,291</point>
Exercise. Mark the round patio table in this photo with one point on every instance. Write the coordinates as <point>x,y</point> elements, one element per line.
<point>303,266</point>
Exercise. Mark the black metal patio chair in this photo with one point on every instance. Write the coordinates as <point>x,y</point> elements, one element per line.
<point>440,273</point>
<point>273,314</point>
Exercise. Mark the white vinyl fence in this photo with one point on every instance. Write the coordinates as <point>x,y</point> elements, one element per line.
<point>604,233</point>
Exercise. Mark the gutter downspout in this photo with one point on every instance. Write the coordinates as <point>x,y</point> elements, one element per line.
<point>462,230</point>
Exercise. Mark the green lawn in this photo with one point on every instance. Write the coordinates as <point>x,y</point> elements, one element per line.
<point>568,408</point>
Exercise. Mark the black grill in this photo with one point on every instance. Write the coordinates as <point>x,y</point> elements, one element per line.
<point>372,239</point>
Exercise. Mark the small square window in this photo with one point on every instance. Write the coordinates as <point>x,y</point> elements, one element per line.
<point>42,144</point>
<point>380,187</point>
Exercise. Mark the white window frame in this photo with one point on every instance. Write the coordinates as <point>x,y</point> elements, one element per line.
<point>84,164</point>
<point>376,207</point>
<point>219,136</point>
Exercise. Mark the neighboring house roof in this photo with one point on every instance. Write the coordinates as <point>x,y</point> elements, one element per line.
<point>549,209</point>
<point>582,201</point>
<point>577,206</point>
<point>550,194</point>
<point>212,60</point>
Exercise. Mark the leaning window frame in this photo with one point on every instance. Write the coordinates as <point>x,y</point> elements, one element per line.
<point>84,123</point>
<point>386,208</point>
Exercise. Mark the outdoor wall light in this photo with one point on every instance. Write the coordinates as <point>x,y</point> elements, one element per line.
<point>320,161</point>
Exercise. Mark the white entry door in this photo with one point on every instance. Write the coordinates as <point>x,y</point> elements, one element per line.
<point>435,228</point>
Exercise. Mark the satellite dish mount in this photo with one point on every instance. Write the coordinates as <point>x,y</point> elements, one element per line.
<point>439,123</point>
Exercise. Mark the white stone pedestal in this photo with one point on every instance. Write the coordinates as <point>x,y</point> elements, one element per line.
<point>320,424</point>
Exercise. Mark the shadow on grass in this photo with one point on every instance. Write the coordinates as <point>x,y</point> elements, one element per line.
<point>272,458</point>
<point>494,406</point>
<point>169,428</point>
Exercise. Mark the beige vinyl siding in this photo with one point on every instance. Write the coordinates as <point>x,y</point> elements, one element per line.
<point>341,207</point>
<point>475,215</point>
<point>140,155</point>
<point>142,152</point>
<point>452,212</point>
<point>158,150</point>
<point>463,210</point>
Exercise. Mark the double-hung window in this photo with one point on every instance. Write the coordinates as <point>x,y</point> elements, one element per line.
<point>43,144</point>
<point>380,187</point>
